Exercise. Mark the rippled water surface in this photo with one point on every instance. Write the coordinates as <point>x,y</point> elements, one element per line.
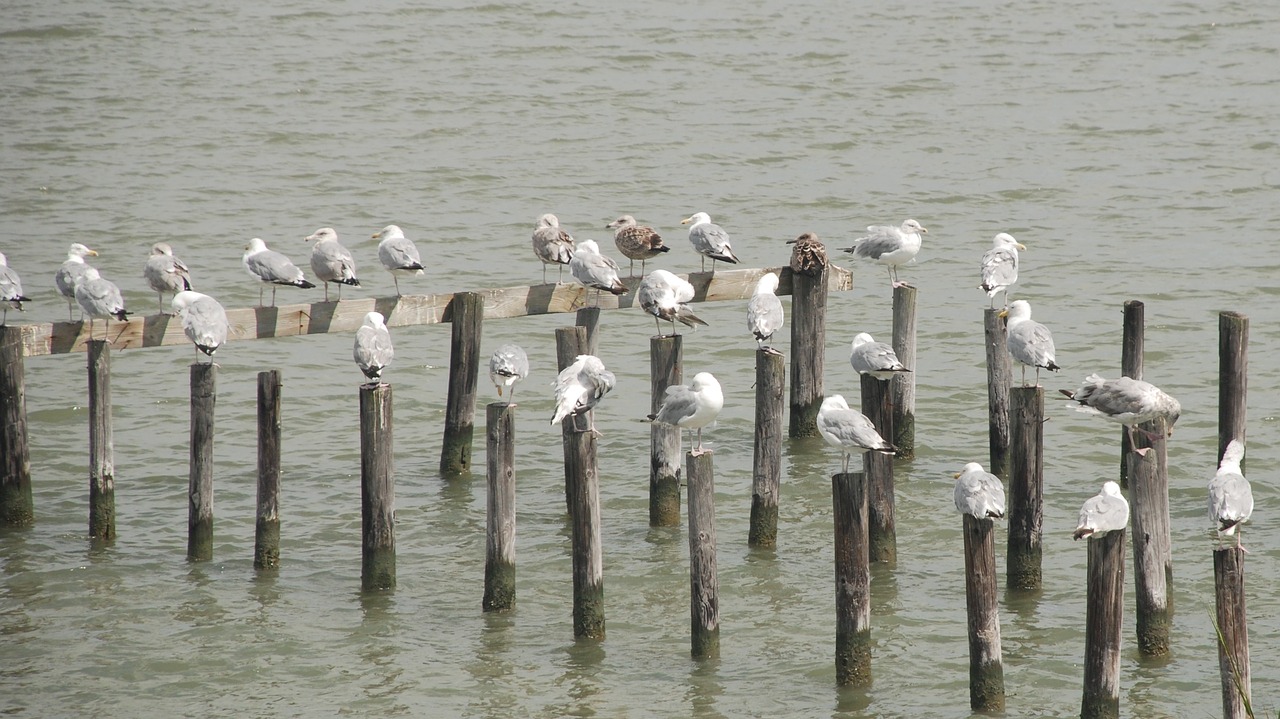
<point>1133,151</point>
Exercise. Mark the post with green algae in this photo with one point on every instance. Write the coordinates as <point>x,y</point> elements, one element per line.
<point>266,544</point>
<point>704,583</point>
<point>999,381</point>
<point>16,505</point>
<point>102,472</point>
<point>500,514</point>
<point>665,369</point>
<point>377,490</point>
<point>808,346</point>
<point>853,580</point>
<point>1023,559</point>
<point>986,664</point>
<point>1152,541</point>
<point>1104,615</point>
<point>1132,353</point>
<point>883,537</point>
<point>766,475</point>
<point>904,383</point>
<point>204,397</point>
<point>466,312</point>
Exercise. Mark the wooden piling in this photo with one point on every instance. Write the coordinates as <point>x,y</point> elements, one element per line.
<point>1152,545</point>
<point>808,347</point>
<point>102,472</point>
<point>904,383</point>
<point>570,342</point>
<point>377,490</point>
<point>999,382</point>
<point>500,517</point>
<point>266,543</point>
<point>704,585</point>
<point>986,665</point>
<point>1026,488</point>
<point>1104,615</point>
<point>882,538</point>
<point>1132,350</point>
<point>853,580</point>
<point>467,311</point>
<point>666,365</point>
<point>1233,379</point>
<point>17,509</point>
<point>766,473</point>
<point>204,397</point>
<point>1233,633</point>
<point>589,319</point>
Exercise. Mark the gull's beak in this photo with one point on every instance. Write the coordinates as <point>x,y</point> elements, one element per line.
<point>1002,313</point>
<point>957,475</point>
<point>1019,245</point>
<point>924,231</point>
<point>686,220</point>
<point>375,235</point>
<point>93,252</point>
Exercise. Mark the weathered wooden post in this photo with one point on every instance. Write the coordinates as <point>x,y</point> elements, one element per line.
<point>17,508</point>
<point>1132,351</point>
<point>204,396</point>
<point>570,342</point>
<point>1026,488</point>
<point>766,473</point>
<point>986,665</point>
<point>589,319</point>
<point>853,580</point>
<point>1233,379</point>
<point>999,380</point>
<point>904,383</point>
<point>1233,632</point>
<point>704,584</point>
<point>1152,545</point>
<point>377,490</point>
<point>467,316</point>
<point>882,540</point>
<point>665,369</point>
<point>1104,614</point>
<point>500,515</point>
<point>808,345</point>
<point>266,543</point>
<point>102,471</point>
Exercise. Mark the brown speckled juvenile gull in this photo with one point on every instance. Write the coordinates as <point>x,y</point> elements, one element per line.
<point>552,244</point>
<point>636,242</point>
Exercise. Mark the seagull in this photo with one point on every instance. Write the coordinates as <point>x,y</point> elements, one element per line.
<point>849,430</point>
<point>579,388</point>
<point>663,295</point>
<point>204,321</point>
<point>373,351</point>
<point>709,239</point>
<point>165,273</point>
<point>594,270</point>
<point>1104,512</point>
<point>636,242</point>
<point>890,246</point>
<point>552,244</point>
<point>1000,266</point>
<point>271,268</point>
<point>99,298</point>
<point>1029,341</point>
<point>764,311</point>
<point>1230,497</point>
<point>809,256</point>
<point>692,406</point>
<point>70,272</point>
<point>874,358</point>
<point>1126,401</point>
<point>330,261</point>
<point>507,366</point>
<point>979,493</point>
<point>10,289</point>
<point>398,254</point>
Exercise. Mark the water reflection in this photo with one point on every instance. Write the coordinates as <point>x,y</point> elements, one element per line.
<point>705,689</point>
<point>581,679</point>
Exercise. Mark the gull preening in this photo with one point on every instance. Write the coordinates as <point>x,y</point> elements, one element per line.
<point>99,297</point>
<point>1000,266</point>
<point>1125,401</point>
<point>10,289</point>
<point>398,254</point>
<point>204,321</point>
<point>579,388</point>
<point>849,430</point>
<point>889,246</point>
<point>1107,511</point>
<point>508,365</point>
<point>691,406</point>
<point>1029,342</point>
<point>709,239</point>
<point>69,274</point>
<point>874,358</point>
<point>663,295</point>
<point>809,256</point>
<point>636,242</point>
<point>373,351</point>
<point>165,273</point>
<point>330,261</point>
<point>271,268</point>
<point>1230,496</point>
<point>764,311</point>
<point>552,244</point>
<point>979,493</point>
<point>595,271</point>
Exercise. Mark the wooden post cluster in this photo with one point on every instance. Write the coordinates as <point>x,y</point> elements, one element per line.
<point>999,380</point>
<point>500,517</point>
<point>467,310</point>
<point>853,579</point>
<point>204,397</point>
<point>704,584</point>
<point>666,365</point>
<point>1026,488</point>
<point>1152,545</point>
<point>377,490</point>
<point>1132,352</point>
<point>17,508</point>
<point>808,346</point>
<point>1233,632</point>
<point>986,664</point>
<point>882,540</point>
<point>266,543</point>
<point>102,472</point>
<point>1104,615</point>
<point>904,383</point>
<point>766,473</point>
<point>1233,379</point>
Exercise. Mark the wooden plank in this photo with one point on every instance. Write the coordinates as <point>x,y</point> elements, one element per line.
<point>249,323</point>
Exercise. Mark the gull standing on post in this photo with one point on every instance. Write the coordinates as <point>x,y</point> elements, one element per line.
<point>979,493</point>
<point>709,239</point>
<point>1029,342</point>
<point>508,365</point>
<point>1230,496</point>
<point>594,270</point>
<point>10,289</point>
<point>890,246</point>
<point>874,358</point>
<point>809,256</point>
<point>692,406</point>
<point>636,242</point>
<point>165,273</point>
<point>579,388</point>
<point>849,430</point>
<point>663,295</point>
<point>98,297</point>
<point>1000,266</point>
<point>70,273</point>
<point>398,254</point>
<point>330,261</point>
<point>271,268</point>
<point>1125,401</point>
<point>204,321</point>
<point>1104,512</point>
<point>373,351</point>
<point>552,244</point>
<point>764,311</point>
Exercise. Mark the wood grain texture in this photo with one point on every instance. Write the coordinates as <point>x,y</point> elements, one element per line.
<point>1023,559</point>
<point>1104,617</point>
<point>377,490</point>
<point>1152,544</point>
<point>666,368</point>
<point>986,664</point>
<point>500,508</point>
<point>1233,380</point>
<point>266,544</point>
<point>999,381</point>
<point>17,509</point>
<point>766,473</point>
<point>1233,649</point>
<point>704,582</point>
<point>102,471</point>
<point>853,579</point>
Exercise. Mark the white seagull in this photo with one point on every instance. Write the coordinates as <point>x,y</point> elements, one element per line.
<point>398,254</point>
<point>579,388</point>
<point>692,406</point>
<point>330,261</point>
<point>848,430</point>
<point>10,289</point>
<point>1230,496</point>
<point>98,297</point>
<point>764,311</point>
<point>165,273</point>
<point>1104,512</point>
<point>1000,266</point>
<point>1029,342</point>
<point>508,365</point>
<point>709,239</point>
<point>372,351</point>
<point>204,321</point>
<point>890,246</point>
<point>1125,401</point>
<point>663,295</point>
<point>71,271</point>
<point>636,242</point>
<point>874,358</point>
<point>552,244</point>
<point>595,271</point>
<point>979,493</point>
<point>271,268</point>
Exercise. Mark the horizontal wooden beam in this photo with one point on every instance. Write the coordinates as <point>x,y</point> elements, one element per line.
<point>251,323</point>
